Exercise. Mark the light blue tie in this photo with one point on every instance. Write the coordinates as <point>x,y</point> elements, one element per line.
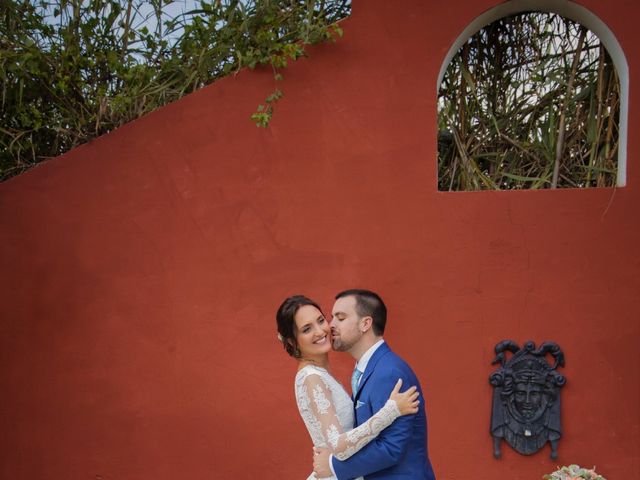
<point>355,378</point>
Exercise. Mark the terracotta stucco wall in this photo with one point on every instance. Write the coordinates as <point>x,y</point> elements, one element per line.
<point>141,272</point>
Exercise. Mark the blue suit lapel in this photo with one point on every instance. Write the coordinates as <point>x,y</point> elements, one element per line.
<point>377,355</point>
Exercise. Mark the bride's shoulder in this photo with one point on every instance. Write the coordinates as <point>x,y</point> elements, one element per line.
<point>311,377</point>
<point>308,370</point>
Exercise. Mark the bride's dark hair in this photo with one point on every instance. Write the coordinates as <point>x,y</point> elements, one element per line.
<point>285,319</point>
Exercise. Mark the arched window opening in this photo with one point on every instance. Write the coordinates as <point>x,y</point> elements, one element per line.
<point>530,101</point>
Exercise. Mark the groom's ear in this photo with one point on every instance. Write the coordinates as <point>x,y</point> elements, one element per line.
<point>365,324</point>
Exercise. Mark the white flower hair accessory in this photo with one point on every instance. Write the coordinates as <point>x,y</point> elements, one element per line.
<point>280,338</point>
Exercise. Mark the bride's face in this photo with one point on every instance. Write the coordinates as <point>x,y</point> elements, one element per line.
<point>312,332</point>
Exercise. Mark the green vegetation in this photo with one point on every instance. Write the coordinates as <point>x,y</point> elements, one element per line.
<point>530,101</point>
<point>72,70</point>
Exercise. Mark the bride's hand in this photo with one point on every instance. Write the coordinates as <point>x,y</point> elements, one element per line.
<point>407,401</point>
<point>321,462</point>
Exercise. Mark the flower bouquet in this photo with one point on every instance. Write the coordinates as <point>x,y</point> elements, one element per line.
<point>574,472</point>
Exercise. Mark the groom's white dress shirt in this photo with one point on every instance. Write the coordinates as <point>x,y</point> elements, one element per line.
<point>364,359</point>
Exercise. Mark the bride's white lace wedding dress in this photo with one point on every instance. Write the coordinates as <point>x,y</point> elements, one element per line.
<point>327,411</point>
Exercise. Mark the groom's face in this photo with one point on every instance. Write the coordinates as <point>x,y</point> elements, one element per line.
<point>345,324</point>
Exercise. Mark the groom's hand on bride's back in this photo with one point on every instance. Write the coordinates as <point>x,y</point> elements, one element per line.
<point>321,462</point>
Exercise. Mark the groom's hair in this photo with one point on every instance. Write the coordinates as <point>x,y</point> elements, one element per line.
<point>368,304</point>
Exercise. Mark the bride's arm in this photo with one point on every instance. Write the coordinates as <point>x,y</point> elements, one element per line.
<point>344,444</point>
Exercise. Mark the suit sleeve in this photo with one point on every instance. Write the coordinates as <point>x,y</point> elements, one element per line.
<point>389,447</point>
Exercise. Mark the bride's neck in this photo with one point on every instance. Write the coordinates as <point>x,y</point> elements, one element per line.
<point>319,361</point>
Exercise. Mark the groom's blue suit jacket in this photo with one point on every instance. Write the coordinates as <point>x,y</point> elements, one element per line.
<point>400,451</point>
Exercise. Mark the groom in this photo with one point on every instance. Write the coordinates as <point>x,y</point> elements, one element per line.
<point>400,451</point>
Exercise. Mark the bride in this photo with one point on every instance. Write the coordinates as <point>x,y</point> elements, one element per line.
<point>325,406</point>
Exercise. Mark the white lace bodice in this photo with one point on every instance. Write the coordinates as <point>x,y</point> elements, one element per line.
<point>327,411</point>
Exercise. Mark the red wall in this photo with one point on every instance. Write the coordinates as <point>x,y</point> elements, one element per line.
<point>141,272</point>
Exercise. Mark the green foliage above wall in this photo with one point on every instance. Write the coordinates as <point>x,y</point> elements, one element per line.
<point>72,70</point>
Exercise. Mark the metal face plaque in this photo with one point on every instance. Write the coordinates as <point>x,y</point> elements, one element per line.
<point>526,397</point>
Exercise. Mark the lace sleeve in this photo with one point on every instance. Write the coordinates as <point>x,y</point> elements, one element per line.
<point>344,444</point>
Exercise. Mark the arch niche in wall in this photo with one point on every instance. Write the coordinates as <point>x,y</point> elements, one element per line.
<point>577,14</point>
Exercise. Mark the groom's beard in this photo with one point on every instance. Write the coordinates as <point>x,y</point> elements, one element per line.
<point>339,345</point>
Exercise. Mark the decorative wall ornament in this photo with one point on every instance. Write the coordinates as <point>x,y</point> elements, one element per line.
<point>526,397</point>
